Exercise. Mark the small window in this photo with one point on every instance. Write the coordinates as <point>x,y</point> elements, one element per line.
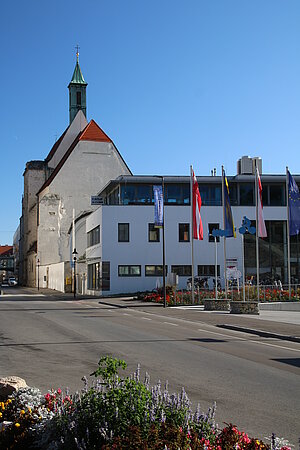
<point>208,270</point>
<point>123,232</point>
<point>153,233</point>
<point>129,271</point>
<point>182,271</point>
<point>211,227</point>
<point>93,236</point>
<point>78,98</point>
<point>184,232</point>
<point>155,271</point>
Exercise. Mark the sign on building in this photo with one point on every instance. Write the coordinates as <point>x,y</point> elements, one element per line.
<point>96,200</point>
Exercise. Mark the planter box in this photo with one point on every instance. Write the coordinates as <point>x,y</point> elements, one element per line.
<point>250,307</point>
<point>211,304</point>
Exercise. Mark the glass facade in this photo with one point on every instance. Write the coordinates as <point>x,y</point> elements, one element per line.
<point>241,193</point>
<point>273,250</point>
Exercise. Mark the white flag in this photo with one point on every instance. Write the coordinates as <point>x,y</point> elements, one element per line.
<point>262,232</point>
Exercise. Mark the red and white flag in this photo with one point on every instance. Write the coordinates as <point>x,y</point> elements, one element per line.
<point>262,232</point>
<point>197,222</point>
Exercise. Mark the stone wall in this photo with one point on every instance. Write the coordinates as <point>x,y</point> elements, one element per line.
<point>244,307</point>
<point>212,304</point>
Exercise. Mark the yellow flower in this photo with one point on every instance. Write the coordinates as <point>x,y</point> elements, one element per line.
<point>9,400</point>
<point>0,414</point>
<point>29,410</point>
<point>17,425</point>
<point>22,412</point>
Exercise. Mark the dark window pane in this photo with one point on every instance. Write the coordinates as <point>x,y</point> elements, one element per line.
<point>143,193</point>
<point>246,194</point>
<point>127,194</point>
<point>184,232</point>
<point>78,98</point>
<point>211,227</point>
<point>276,195</point>
<point>233,194</point>
<point>174,193</point>
<point>182,271</point>
<point>123,232</point>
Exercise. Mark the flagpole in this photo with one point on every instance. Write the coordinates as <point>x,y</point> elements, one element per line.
<point>223,203</point>
<point>243,261</point>
<point>163,243</point>
<point>288,230</point>
<point>216,267</point>
<point>257,231</point>
<point>192,232</point>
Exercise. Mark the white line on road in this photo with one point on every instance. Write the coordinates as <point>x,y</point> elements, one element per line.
<point>170,323</point>
<point>146,318</point>
<point>126,314</point>
<point>250,340</point>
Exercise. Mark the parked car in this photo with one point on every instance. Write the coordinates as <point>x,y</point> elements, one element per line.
<point>12,281</point>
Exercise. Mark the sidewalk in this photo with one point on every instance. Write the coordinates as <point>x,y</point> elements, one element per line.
<point>283,325</point>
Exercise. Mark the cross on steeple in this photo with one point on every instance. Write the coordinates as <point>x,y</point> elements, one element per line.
<point>77,51</point>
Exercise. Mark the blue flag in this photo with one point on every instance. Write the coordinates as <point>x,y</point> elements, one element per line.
<point>294,205</point>
<point>228,225</point>
<point>158,206</point>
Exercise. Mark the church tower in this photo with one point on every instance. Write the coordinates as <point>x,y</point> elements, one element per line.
<point>77,91</point>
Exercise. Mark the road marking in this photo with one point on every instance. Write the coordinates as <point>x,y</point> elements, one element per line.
<point>146,318</point>
<point>250,340</point>
<point>200,307</point>
<point>126,314</point>
<point>22,295</point>
<point>170,323</point>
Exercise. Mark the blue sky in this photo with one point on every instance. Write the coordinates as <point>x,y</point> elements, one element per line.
<point>172,82</point>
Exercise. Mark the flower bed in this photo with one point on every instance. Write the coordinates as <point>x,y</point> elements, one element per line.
<point>116,413</point>
<point>183,297</point>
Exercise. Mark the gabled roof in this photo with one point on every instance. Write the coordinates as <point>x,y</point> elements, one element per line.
<point>93,132</point>
<point>61,163</point>
<point>55,146</point>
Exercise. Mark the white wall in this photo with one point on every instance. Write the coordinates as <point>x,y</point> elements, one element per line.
<point>138,251</point>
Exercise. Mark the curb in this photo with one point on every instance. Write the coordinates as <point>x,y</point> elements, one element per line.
<point>261,333</point>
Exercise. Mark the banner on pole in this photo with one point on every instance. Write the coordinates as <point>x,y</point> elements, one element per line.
<point>158,206</point>
<point>294,206</point>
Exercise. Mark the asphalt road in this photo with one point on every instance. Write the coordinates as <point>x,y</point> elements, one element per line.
<point>255,381</point>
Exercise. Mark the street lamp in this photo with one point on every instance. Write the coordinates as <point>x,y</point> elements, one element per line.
<point>38,277</point>
<point>74,262</point>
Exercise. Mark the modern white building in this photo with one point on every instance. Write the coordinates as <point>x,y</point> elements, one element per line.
<point>124,252</point>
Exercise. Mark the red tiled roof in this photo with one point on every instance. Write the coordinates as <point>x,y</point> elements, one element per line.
<point>6,250</point>
<point>93,132</point>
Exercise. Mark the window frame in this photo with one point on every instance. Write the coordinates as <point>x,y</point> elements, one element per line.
<point>180,225</point>
<point>156,229</point>
<point>119,232</point>
<point>129,267</point>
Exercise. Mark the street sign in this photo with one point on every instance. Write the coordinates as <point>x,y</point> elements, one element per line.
<point>96,200</point>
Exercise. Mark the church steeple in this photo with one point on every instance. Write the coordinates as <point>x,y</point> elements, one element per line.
<point>77,91</point>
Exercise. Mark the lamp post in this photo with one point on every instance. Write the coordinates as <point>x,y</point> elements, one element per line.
<point>74,262</point>
<point>38,274</point>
